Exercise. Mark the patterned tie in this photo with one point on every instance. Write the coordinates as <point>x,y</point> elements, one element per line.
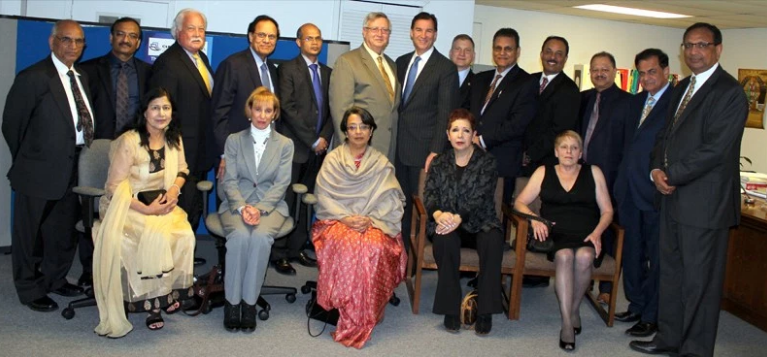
<point>411,78</point>
<point>265,77</point>
<point>646,110</point>
<point>122,117</point>
<point>317,94</point>
<point>490,91</point>
<point>84,122</point>
<point>544,82</point>
<point>386,78</point>
<point>685,101</point>
<point>592,124</point>
<point>203,71</point>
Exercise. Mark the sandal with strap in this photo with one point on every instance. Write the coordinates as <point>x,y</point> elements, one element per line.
<point>154,321</point>
<point>173,308</point>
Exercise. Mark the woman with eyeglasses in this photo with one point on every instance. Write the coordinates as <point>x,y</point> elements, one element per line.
<point>357,236</point>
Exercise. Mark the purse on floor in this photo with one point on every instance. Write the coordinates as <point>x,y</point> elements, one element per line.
<point>469,310</point>
<point>147,197</point>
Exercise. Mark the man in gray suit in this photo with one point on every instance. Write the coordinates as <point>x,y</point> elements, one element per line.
<point>430,91</point>
<point>367,78</point>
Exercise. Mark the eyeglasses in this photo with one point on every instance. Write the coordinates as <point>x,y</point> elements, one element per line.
<point>699,45</point>
<point>262,35</point>
<point>312,39</point>
<point>132,36</point>
<point>361,127</point>
<point>68,40</point>
<point>382,30</point>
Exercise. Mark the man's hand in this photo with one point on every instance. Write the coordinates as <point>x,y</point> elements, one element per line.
<point>428,161</point>
<point>322,145</point>
<point>661,182</point>
<point>221,169</point>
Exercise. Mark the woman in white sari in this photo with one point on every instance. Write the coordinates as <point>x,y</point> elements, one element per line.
<point>144,252</point>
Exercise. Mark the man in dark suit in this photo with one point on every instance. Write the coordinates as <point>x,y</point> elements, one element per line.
<point>462,54</point>
<point>503,101</point>
<point>306,120</point>
<point>601,112</point>
<point>117,82</point>
<point>430,92</point>
<point>695,168</point>
<point>183,69</point>
<point>46,121</point>
<point>634,192</point>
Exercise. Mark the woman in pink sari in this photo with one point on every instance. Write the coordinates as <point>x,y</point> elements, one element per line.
<point>357,236</point>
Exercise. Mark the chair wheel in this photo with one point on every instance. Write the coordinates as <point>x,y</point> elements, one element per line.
<point>394,301</point>
<point>306,289</point>
<point>207,307</point>
<point>291,298</point>
<point>263,315</point>
<point>68,313</point>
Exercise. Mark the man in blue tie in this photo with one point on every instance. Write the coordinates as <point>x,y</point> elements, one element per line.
<point>430,92</point>
<point>306,120</point>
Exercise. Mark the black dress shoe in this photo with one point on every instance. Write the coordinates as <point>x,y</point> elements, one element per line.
<point>452,323</point>
<point>306,260</point>
<point>86,279</point>
<point>231,317</point>
<point>484,324</point>
<point>535,281</point>
<point>627,316</point>
<point>43,304</point>
<point>248,322</point>
<point>650,348</point>
<point>68,290</point>
<point>282,266</point>
<point>642,329</point>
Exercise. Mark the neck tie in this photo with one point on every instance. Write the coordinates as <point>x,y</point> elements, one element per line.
<point>84,122</point>
<point>386,78</point>
<point>203,71</point>
<point>544,82</point>
<point>685,101</point>
<point>317,94</point>
<point>491,90</point>
<point>592,124</point>
<point>265,77</point>
<point>411,76</point>
<point>646,110</point>
<point>122,117</point>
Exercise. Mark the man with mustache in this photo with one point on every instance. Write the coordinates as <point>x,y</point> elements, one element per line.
<point>462,55</point>
<point>117,82</point>
<point>601,113</point>
<point>183,69</point>
<point>558,104</point>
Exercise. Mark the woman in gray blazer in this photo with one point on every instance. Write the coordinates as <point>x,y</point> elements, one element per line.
<point>258,165</point>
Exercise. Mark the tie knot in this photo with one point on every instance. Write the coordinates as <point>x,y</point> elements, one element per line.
<point>71,74</point>
<point>196,56</point>
<point>417,59</point>
<point>313,66</point>
<point>651,101</point>
<point>380,59</point>
<point>263,66</point>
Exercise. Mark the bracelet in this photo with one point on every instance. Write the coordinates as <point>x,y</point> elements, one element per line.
<point>178,188</point>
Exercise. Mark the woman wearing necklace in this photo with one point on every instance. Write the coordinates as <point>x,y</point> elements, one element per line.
<point>459,197</point>
<point>360,255</point>
<point>253,208</point>
<point>575,199</point>
<point>143,249</point>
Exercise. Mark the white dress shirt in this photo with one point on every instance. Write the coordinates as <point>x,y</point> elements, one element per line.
<point>62,69</point>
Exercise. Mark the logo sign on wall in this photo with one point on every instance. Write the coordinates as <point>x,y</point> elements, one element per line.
<point>157,42</point>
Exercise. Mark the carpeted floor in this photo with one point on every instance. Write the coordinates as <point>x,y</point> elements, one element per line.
<point>27,333</point>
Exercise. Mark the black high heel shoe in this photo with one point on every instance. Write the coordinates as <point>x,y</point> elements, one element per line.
<point>566,346</point>
<point>578,330</point>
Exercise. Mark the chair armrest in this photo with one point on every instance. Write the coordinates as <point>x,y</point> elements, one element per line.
<point>88,191</point>
<point>205,186</point>
<point>88,195</point>
<point>310,199</point>
<point>418,237</point>
<point>299,188</point>
<point>520,245</point>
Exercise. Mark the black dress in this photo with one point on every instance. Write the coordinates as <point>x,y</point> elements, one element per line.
<point>575,212</point>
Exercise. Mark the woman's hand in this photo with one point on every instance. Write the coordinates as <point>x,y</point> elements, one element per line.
<point>171,197</point>
<point>596,240</point>
<point>251,215</point>
<point>447,222</point>
<point>357,222</point>
<point>159,207</point>
<point>540,230</point>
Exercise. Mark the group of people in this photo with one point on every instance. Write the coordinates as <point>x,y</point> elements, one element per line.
<point>580,153</point>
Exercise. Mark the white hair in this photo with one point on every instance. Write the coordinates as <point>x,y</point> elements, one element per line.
<point>373,16</point>
<point>178,22</point>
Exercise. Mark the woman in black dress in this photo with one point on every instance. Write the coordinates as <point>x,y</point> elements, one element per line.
<point>575,199</point>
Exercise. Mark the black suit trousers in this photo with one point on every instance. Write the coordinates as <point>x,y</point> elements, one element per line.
<point>408,180</point>
<point>44,241</point>
<point>190,199</point>
<point>641,259</point>
<point>447,254</point>
<point>692,265</point>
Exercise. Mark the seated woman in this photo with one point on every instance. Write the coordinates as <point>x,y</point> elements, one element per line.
<point>459,196</point>
<point>152,244</point>
<point>258,168</point>
<point>575,199</point>
<point>357,238</point>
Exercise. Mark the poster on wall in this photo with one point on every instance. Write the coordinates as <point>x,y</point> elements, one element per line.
<point>578,75</point>
<point>754,83</point>
<point>159,41</point>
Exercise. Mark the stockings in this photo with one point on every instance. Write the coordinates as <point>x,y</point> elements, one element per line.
<point>573,277</point>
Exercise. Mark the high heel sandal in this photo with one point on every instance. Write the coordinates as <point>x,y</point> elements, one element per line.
<point>578,330</point>
<point>153,320</point>
<point>566,346</point>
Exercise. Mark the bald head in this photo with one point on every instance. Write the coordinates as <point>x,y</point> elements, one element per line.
<point>67,41</point>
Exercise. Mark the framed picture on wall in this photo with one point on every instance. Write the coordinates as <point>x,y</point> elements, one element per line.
<point>754,83</point>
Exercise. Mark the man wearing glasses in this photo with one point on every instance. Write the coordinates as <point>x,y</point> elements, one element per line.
<point>304,83</point>
<point>367,78</point>
<point>48,118</point>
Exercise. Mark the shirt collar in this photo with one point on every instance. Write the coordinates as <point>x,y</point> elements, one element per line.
<point>549,77</point>
<point>308,61</point>
<point>114,61</point>
<point>659,94</point>
<point>425,56</point>
<point>702,77</point>
<point>505,72</point>
<point>61,67</point>
<point>259,62</point>
<point>372,53</point>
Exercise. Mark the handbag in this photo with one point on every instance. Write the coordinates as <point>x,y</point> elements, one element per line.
<point>469,310</point>
<point>147,197</point>
<point>534,245</point>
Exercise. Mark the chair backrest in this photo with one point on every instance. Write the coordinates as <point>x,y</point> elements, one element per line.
<point>93,166</point>
<point>519,185</point>
<point>497,199</point>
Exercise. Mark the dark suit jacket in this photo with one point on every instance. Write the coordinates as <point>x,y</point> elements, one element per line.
<point>503,124</point>
<point>423,117</point>
<point>703,150</point>
<point>175,71</point>
<point>40,131</point>
<point>298,120</point>
<point>557,111</point>
<point>605,147</point>
<point>101,87</point>
<point>633,181</point>
<point>236,78</point>
<point>464,95</point>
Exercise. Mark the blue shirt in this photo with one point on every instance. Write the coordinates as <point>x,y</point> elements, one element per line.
<point>133,91</point>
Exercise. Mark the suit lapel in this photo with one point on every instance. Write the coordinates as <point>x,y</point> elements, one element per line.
<point>425,72</point>
<point>505,82</point>
<point>59,94</point>
<point>373,70</point>
<point>192,68</point>
<point>325,74</point>
<point>246,143</point>
<point>306,75</point>
<point>141,74</point>
<point>105,75</point>
<point>697,98</point>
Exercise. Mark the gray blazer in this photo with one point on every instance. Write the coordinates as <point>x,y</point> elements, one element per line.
<point>356,80</point>
<point>264,189</point>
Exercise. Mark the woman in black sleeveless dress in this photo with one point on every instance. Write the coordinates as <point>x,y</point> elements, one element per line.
<point>575,199</point>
